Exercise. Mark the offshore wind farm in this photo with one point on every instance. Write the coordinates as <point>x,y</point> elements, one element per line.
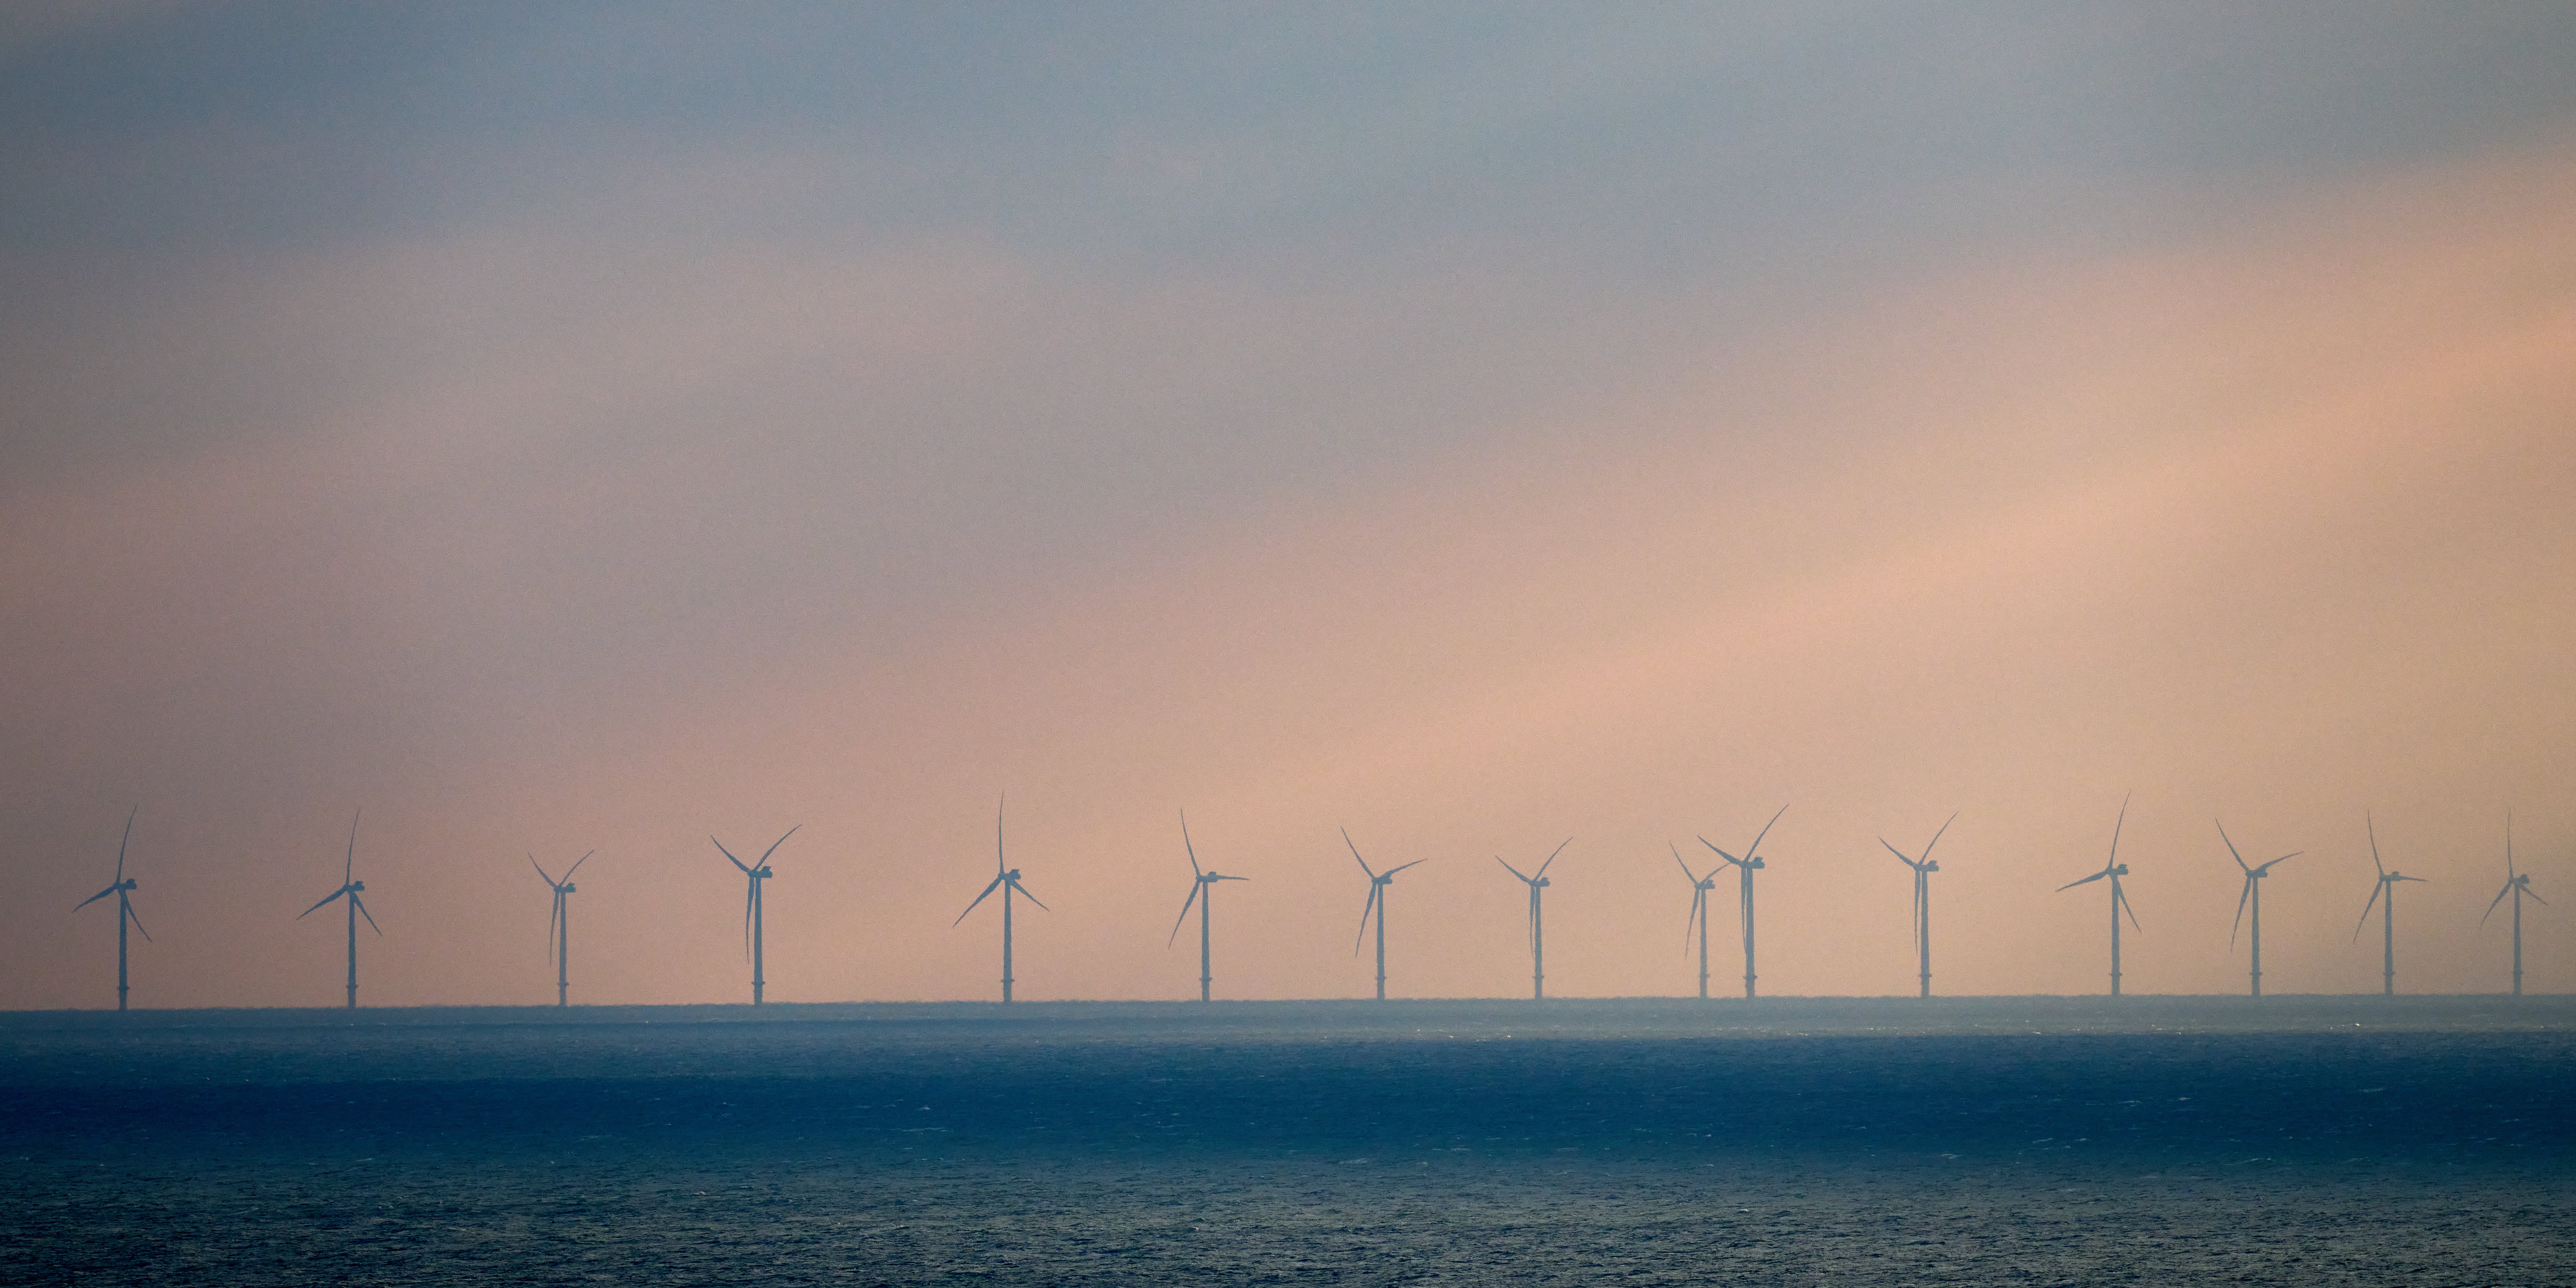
<point>585,435</point>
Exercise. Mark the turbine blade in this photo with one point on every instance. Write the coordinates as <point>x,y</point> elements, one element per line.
<point>1509,868</point>
<point>997,884</point>
<point>1677,862</point>
<point>2116,824</point>
<point>1365,910</point>
<point>554,913</point>
<point>720,849</point>
<point>129,836</point>
<point>1024,893</point>
<point>2528,890</point>
<point>2231,846</point>
<point>349,867</point>
<point>1936,837</point>
<point>1756,847</point>
<point>1169,939</point>
<point>1900,854</point>
<point>773,846</point>
<point>1000,863</point>
<point>317,907</point>
<point>2086,881</point>
<point>138,921</point>
<point>100,895</point>
<point>1401,867</point>
<point>1185,844</point>
<point>2491,906</point>
<point>361,906</point>
<point>2248,893</point>
<point>576,866</point>
<point>1721,853</point>
<point>1551,855</point>
<point>2374,841</point>
<point>2375,889</point>
<point>2120,897</point>
<point>1218,878</point>
<point>1699,908</point>
<point>2291,855</point>
<point>541,870</point>
<point>1355,853</point>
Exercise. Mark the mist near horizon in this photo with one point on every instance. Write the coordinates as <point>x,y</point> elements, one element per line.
<point>610,427</point>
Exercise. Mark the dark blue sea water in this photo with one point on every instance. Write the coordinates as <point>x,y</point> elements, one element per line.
<point>1972,1141</point>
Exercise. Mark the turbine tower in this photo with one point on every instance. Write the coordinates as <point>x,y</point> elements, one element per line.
<point>1202,893</point>
<point>1007,880</point>
<point>1744,899</point>
<point>125,913</point>
<point>1923,870</point>
<point>2517,884</point>
<point>2253,896</point>
<point>1700,886</point>
<point>1538,926</point>
<point>1378,882</point>
<point>559,923</point>
<point>350,886</point>
<point>2387,887</point>
<point>754,873</point>
<point>2114,869</point>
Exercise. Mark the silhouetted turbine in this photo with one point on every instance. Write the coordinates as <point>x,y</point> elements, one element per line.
<point>1007,880</point>
<point>754,874</point>
<point>1744,868</point>
<point>559,923</point>
<point>1202,893</point>
<point>2113,869</point>
<point>2387,886</point>
<point>1537,926</point>
<point>350,886</point>
<point>2517,884</point>
<point>2253,895</point>
<point>1700,886</point>
<point>122,888</point>
<point>1378,882</point>
<point>1923,870</point>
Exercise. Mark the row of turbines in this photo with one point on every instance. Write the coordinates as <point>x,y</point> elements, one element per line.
<point>1202,897</point>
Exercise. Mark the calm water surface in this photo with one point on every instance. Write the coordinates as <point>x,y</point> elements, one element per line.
<point>2041,1141</point>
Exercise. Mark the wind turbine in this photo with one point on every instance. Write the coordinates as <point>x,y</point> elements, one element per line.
<point>1923,870</point>
<point>350,886</point>
<point>1744,870</point>
<point>1700,886</point>
<point>125,913</point>
<point>755,873</point>
<point>2387,886</point>
<point>1202,893</point>
<point>1538,927</point>
<point>1006,879</point>
<point>2114,869</point>
<point>2253,895</point>
<point>559,921</point>
<point>2517,884</point>
<point>1378,882</point>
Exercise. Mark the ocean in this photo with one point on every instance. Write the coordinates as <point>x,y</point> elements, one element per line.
<point>1791,1141</point>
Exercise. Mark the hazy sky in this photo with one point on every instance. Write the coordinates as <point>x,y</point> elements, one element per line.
<point>572,427</point>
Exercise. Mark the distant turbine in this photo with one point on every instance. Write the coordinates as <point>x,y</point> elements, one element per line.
<point>2114,869</point>
<point>1744,899</point>
<point>2517,884</point>
<point>1537,925</point>
<point>350,886</point>
<point>2253,896</point>
<point>1007,880</point>
<point>1700,886</point>
<point>754,873</point>
<point>2387,886</point>
<point>125,913</point>
<point>559,922</point>
<point>1202,893</point>
<point>1378,882</point>
<point>1923,870</point>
